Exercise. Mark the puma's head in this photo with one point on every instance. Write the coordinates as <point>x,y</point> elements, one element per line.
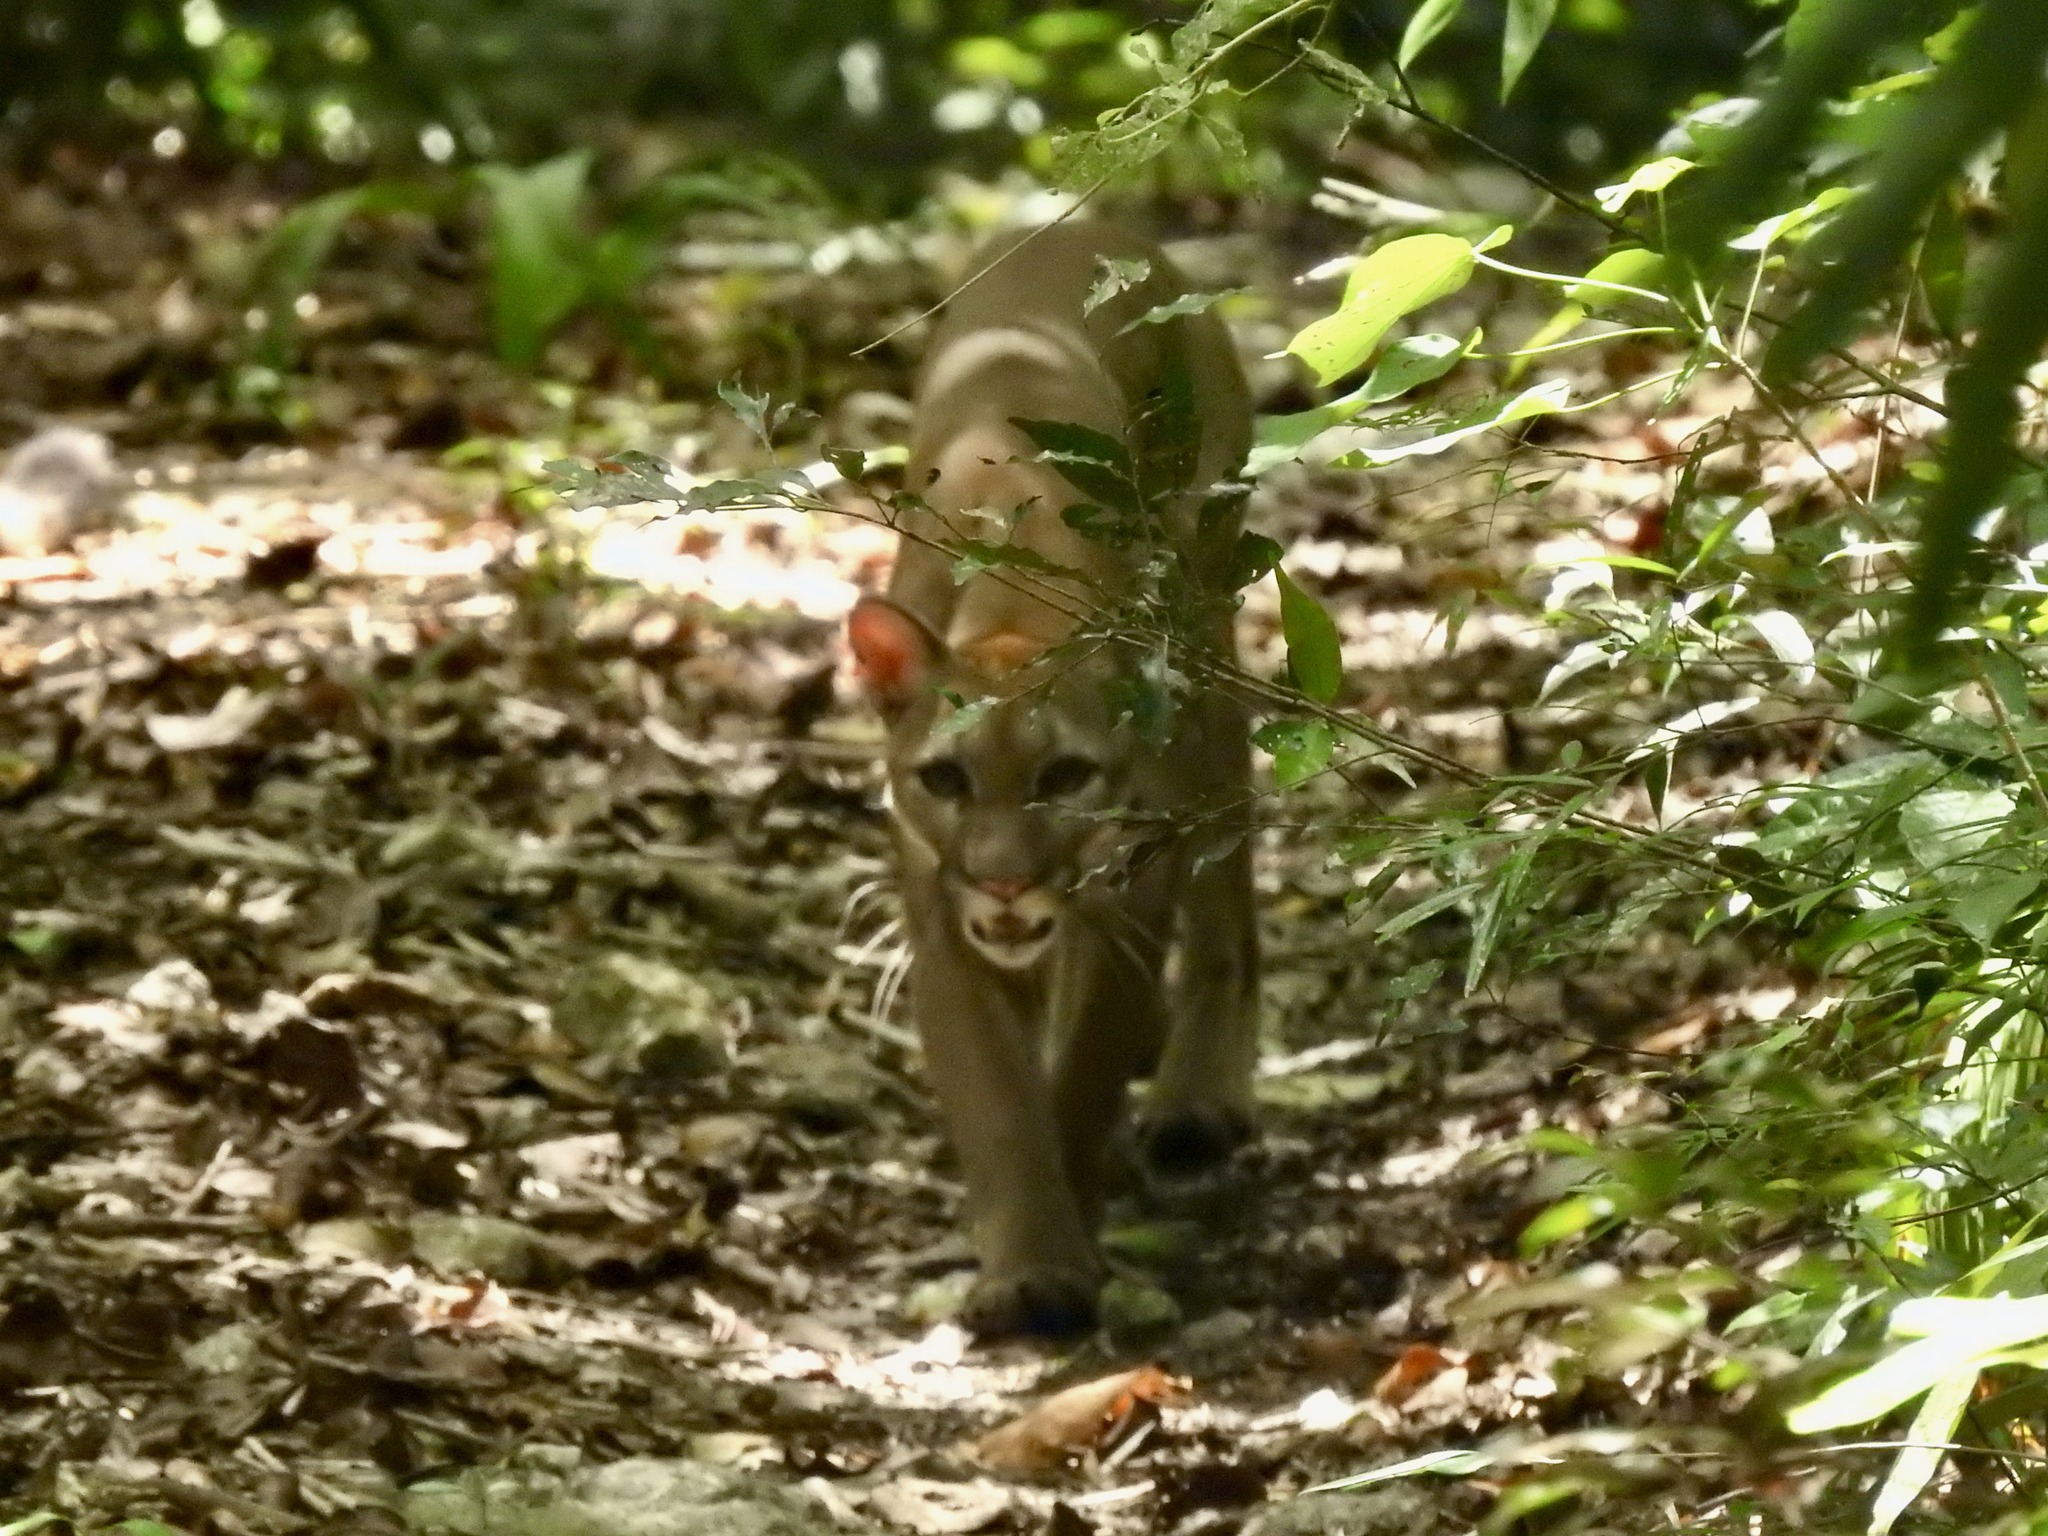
<point>1000,770</point>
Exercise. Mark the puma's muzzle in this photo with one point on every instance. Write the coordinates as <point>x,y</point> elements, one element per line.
<point>1013,931</point>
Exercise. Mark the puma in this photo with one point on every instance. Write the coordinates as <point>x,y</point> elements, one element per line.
<point>1066,935</point>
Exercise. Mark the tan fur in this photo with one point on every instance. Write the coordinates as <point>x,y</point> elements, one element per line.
<point>1042,911</point>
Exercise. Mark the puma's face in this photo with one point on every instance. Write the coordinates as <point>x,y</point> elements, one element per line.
<point>1007,792</point>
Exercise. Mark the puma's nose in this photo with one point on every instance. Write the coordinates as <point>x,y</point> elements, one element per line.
<point>1003,890</point>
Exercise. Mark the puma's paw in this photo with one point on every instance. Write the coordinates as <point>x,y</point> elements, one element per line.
<point>1045,1302</point>
<point>1192,1140</point>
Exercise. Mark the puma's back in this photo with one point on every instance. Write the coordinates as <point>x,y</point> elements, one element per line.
<point>1044,873</point>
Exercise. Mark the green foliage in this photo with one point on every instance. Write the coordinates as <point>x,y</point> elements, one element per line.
<point>1988,79</point>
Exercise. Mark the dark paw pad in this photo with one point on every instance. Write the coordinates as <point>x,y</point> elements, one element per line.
<point>1043,1304</point>
<point>1190,1142</point>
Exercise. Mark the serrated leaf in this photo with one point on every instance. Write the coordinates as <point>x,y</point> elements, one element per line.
<point>621,480</point>
<point>1397,279</point>
<point>1528,24</point>
<point>1114,275</point>
<point>1314,652</point>
<point>752,410</point>
<point>1425,25</point>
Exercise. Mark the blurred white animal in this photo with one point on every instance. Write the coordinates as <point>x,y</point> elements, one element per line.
<point>55,486</point>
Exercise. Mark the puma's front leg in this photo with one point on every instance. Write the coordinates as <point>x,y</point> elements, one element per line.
<point>1039,1270</point>
<point>1201,1104</point>
<point>1112,1019</point>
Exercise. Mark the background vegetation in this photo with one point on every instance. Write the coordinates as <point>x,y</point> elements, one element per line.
<point>1838,209</point>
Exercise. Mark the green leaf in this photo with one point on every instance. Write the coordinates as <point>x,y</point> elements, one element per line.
<point>1962,1333</point>
<point>1945,826</point>
<point>1250,558</point>
<point>973,556</point>
<point>1423,27</point>
<point>1528,23</point>
<point>1632,268</point>
<point>1442,1463</point>
<point>1983,909</point>
<point>1550,396</point>
<point>1425,909</point>
<point>622,480</point>
<point>1301,748</point>
<point>1654,176</point>
<point>1933,1427</point>
<point>1400,277</point>
<point>27,1525</point>
<point>1186,304</point>
<point>1314,653</point>
<point>1504,894</point>
<point>1788,640</point>
<point>1118,530</point>
<point>1412,362</point>
<point>963,713</point>
<point>1983,392</point>
<point>1996,70</point>
<point>1831,39</point>
<point>142,1527</point>
<point>537,245</point>
<point>1114,275</point>
<point>1407,364</point>
<point>1094,463</point>
<point>1568,1218</point>
<point>1781,226</point>
<point>36,940</point>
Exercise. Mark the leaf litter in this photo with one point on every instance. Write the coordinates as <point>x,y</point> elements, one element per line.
<point>458,1076</point>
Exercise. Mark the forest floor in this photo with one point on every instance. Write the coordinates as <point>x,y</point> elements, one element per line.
<point>457,1076</point>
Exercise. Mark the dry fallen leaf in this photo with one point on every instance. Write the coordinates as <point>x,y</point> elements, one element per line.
<point>941,1509</point>
<point>1080,1418</point>
<point>1418,1363</point>
<point>237,714</point>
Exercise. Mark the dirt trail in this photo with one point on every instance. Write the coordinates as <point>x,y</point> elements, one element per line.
<point>449,996</point>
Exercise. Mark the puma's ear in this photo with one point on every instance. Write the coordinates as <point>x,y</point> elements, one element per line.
<point>894,652</point>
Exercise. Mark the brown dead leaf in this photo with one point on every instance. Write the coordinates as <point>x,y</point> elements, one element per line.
<point>1084,1417</point>
<point>1418,1364</point>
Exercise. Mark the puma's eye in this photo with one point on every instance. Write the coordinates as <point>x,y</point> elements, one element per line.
<point>944,779</point>
<point>1065,776</point>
